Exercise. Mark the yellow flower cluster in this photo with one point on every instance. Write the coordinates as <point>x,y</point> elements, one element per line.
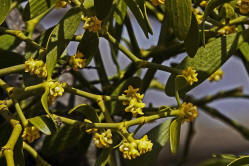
<point>91,130</point>
<point>92,24</point>
<point>157,2</point>
<point>36,67</point>
<point>190,75</point>
<point>203,3</point>
<point>30,134</point>
<point>61,4</point>
<point>77,61</point>
<point>227,29</point>
<point>189,112</point>
<point>135,148</point>
<point>216,76</point>
<point>3,105</point>
<point>243,6</point>
<point>103,139</point>
<point>198,15</point>
<point>55,89</point>
<point>134,102</point>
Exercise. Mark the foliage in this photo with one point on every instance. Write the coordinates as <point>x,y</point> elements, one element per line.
<point>208,32</point>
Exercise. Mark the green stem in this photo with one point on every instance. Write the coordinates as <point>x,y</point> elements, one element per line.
<point>19,34</point>
<point>36,156</point>
<point>146,64</point>
<point>139,62</point>
<point>12,69</point>
<point>9,147</point>
<point>234,124</point>
<point>20,113</point>
<point>106,113</point>
<point>130,55</point>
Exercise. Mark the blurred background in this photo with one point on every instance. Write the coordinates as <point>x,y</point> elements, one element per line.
<point>211,136</point>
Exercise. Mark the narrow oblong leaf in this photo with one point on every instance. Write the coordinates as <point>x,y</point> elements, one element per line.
<point>35,8</point>
<point>208,9</point>
<point>102,8</point>
<point>208,59</point>
<point>44,101</point>
<point>240,161</point>
<point>89,45</point>
<point>139,11</point>
<point>120,12</point>
<point>192,41</point>
<point>42,123</point>
<point>85,110</point>
<point>103,158</point>
<point>159,136</point>
<point>175,131</point>
<point>61,36</point>
<point>4,9</point>
<point>244,49</point>
<point>180,12</point>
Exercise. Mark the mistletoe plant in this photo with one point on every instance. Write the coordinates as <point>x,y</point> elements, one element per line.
<point>33,120</point>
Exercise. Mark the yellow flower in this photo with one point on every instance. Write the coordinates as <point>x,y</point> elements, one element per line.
<point>3,105</point>
<point>203,3</point>
<point>36,67</point>
<point>92,130</point>
<point>157,2</point>
<point>134,102</point>
<point>129,150</point>
<point>56,89</point>
<point>77,61</point>
<point>189,112</point>
<point>144,145</point>
<point>92,24</point>
<point>30,134</point>
<point>134,148</point>
<point>198,14</point>
<point>227,29</point>
<point>61,4</point>
<point>216,76</point>
<point>190,75</point>
<point>104,139</point>
<point>243,6</point>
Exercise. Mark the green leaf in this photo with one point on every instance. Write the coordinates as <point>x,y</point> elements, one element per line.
<point>7,59</point>
<point>209,8</point>
<point>159,137</point>
<point>44,124</point>
<point>88,4</point>
<point>4,9</point>
<point>139,11</point>
<point>244,49</point>
<point>180,12</point>
<point>192,41</point>
<point>208,59</point>
<point>86,110</point>
<point>214,162</point>
<point>120,12</point>
<point>35,8</point>
<point>44,101</point>
<point>102,8</point>
<point>67,137</point>
<point>240,161</point>
<point>103,158</point>
<point>8,42</point>
<point>117,106</point>
<point>175,131</point>
<point>60,37</point>
<point>89,45</point>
